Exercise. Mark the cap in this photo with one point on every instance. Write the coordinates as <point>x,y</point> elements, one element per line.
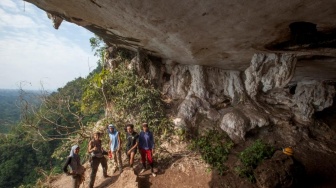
<point>111,125</point>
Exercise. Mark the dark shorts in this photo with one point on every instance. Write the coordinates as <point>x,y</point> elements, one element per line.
<point>134,150</point>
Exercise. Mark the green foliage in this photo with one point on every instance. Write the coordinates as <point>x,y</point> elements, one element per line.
<point>36,147</point>
<point>252,156</point>
<point>18,159</point>
<point>214,147</point>
<point>130,97</point>
<point>10,109</point>
<point>256,153</point>
<point>98,45</point>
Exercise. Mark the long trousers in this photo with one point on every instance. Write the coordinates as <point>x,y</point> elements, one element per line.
<point>146,153</point>
<point>117,159</point>
<point>94,167</point>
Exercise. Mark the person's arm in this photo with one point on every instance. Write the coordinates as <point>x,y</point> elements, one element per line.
<point>90,148</point>
<point>110,145</point>
<point>65,167</point>
<point>135,145</point>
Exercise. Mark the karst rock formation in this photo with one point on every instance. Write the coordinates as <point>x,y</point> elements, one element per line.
<point>237,65</point>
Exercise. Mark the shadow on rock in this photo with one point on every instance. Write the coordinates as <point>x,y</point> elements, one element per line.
<point>161,166</point>
<point>280,171</point>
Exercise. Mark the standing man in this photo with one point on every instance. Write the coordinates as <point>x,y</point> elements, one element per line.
<point>115,144</point>
<point>146,146</point>
<point>132,143</point>
<point>96,151</point>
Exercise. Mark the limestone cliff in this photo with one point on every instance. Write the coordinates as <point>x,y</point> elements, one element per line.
<point>239,101</point>
<point>242,66</point>
<point>215,33</point>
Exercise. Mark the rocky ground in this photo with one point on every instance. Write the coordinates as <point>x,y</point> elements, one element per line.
<point>314,150</point>
<point>312,165</point>
<point>179,168</point>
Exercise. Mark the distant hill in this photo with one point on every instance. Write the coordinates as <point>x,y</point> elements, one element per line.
<point>10,107</point>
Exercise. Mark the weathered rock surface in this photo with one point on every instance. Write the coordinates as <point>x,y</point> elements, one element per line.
<point>269,72</point>
<point>279,171</point>
<point>56,20</point>
<point>235,124</point>
<point>311,97</point>
<point>215,33</point>
<point>178,32</point>
<point>232,101</point>
<point>210,91</point>
<point>204,70</point>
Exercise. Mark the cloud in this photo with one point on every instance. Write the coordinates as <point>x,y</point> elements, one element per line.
<point>8,4</point>
<point>13,21</point>
<point>33,52</point>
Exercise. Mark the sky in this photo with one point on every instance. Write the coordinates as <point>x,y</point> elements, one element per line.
<point>34,55</point>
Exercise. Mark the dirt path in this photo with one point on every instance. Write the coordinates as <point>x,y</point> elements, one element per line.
<point>183,172</point>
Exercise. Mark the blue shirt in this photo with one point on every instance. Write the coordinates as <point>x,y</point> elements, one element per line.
<point>114,140</point>
<point>146,140</point>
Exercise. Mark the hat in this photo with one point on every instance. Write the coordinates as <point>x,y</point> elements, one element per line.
<point>288,151</point>
<point>111,125</point>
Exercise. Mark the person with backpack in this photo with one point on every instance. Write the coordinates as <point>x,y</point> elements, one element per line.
<point>96,151</point>
<point>115,145</point>
<point>132,143</point>
<point>73,160</point>
<point>146,147</point>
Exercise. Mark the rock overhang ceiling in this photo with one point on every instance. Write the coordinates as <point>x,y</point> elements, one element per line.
<point>215,33</point>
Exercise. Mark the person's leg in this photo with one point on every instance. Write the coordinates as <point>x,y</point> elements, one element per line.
<point>76,181</point>
<point>103,162</point>
<point>150,160</point>
<point>143,158</point>
<point>115,160</point>
<point>94,167</point>
<point>81,178</point>
<point>128,157</point>
<point>119,160</point>
<point>132,159</point>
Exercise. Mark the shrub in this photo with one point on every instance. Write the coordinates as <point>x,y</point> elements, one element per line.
<point>131,99</point>
<point>214,147</point>
<point>251,157</point>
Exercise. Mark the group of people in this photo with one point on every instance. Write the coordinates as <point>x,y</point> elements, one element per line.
<point>134,141</point>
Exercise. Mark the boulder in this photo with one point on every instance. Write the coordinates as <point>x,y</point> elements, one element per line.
<point>235,124</point>
<point>279,171</point>
<point>312,96</point>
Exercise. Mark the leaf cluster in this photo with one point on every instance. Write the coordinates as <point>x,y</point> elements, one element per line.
<point>131,98</point>
<point>252,156</point>
<point>19,161</point>
<point>99,47</point>
<point>214,147</point>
